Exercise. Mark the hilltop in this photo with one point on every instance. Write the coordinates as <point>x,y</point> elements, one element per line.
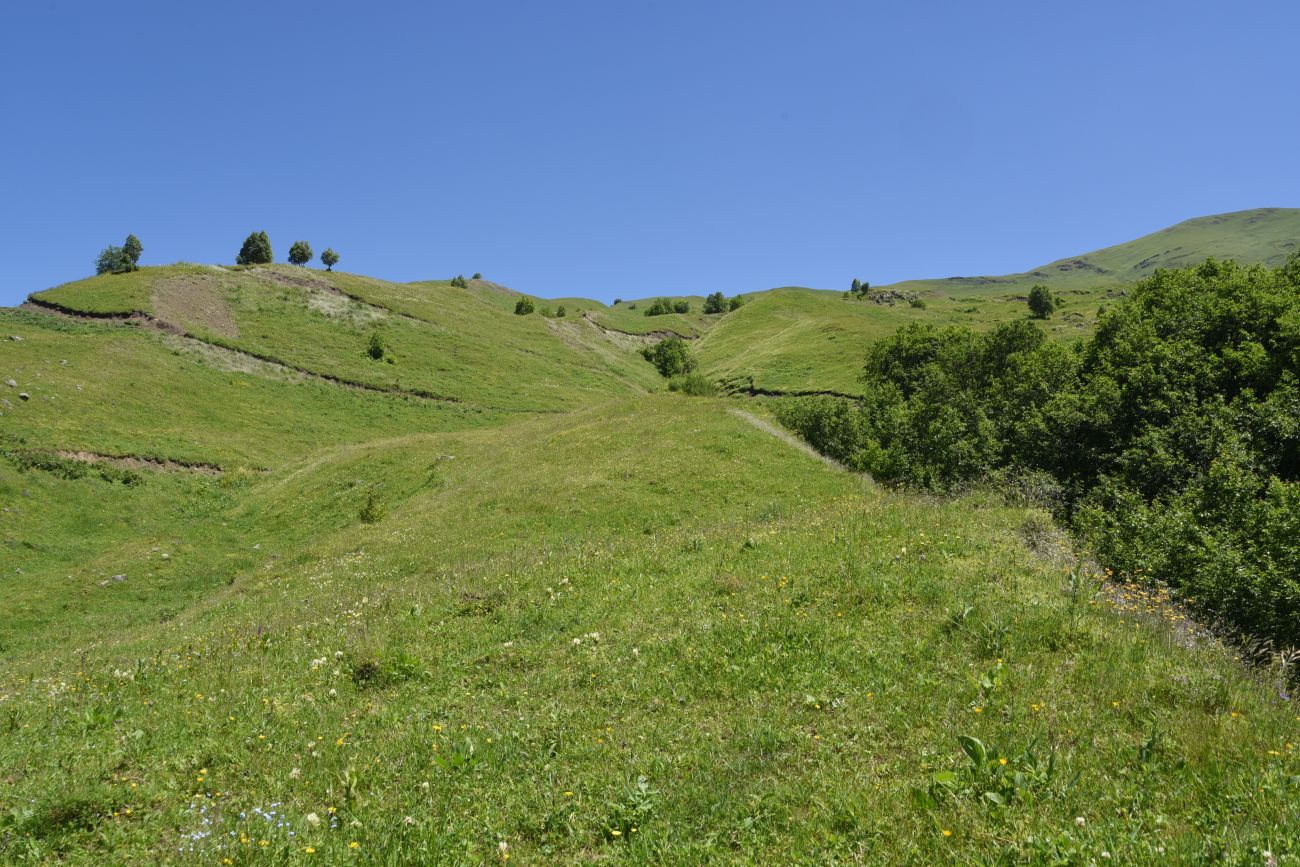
<point>1264,236</point>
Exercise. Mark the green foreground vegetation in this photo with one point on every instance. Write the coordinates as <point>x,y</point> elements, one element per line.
<point>270,602</point>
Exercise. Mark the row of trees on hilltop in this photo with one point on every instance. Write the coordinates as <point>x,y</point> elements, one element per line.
<point>257,251</point>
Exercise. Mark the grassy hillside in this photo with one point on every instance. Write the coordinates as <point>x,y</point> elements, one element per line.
<point>269,602</point>
<point>629,317</point>
<point>794,339</point>
<point>460,344</point>
<point>1260,236</point>
<point>729,652</point>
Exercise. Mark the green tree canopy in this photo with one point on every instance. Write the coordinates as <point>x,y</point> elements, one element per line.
<point>300,253</point>
<point>256,250</point>
<point>329,258</point>
<point>1041,302</point>
<point>131,251</point>
<point>671,356</point>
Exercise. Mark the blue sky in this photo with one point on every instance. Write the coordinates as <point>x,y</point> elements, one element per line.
<point>612,148</point>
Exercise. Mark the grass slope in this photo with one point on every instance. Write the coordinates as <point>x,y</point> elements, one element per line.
<point>559,618</point>
<point>809,340</point>
<point>1262,235</point>
<point>463,344</point>
<point>644,632</point>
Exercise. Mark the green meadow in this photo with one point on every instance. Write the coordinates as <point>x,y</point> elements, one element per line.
<point>497,596</point>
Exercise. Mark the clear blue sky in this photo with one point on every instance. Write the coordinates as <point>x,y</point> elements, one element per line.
<point>621,148</point>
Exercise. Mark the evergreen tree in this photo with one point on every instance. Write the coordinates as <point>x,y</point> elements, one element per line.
<point>131,251</point>
<point>256,250</point>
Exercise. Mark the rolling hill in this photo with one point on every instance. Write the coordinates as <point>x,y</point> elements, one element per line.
<point>272,600</point>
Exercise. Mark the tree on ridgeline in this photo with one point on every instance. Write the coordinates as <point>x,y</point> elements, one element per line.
<point>300,253</point>
<point>131,251</point>
<point>329,258</point>
<point>256,250</point>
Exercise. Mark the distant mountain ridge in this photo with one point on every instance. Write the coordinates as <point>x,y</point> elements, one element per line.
<point>1261,235</point>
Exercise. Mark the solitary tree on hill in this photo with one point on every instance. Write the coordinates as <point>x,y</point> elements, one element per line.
<point>329,258</point>
<point>131,251</point>
<point>1041,302</point>
<point>300,253</point>
<point>256,250</point>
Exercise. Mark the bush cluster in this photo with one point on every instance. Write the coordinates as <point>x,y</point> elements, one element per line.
<point>671,356</point>
<point>1172,434</point>
<point>666,305</point>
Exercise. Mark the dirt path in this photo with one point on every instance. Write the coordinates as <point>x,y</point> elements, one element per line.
<point>788,438</point>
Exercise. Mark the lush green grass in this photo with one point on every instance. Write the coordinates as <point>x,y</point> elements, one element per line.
<point>463,344</point>
<point>590,623</point>
<point>129,391</point>
<point>632,320</point>
<point>548,614</point>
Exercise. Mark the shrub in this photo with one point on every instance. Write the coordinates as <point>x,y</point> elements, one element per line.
<point>694,384</point>
<point>300,253</point>
<point>255,251</point>
<point>715,303</point>
<point>736,302</point>
<point>372,510</point>
<point>918,302</point>
<point>1041,303</point>
<point>523,307</point>
<point>681,307</point>
<point>560,312</point>
<point>617,301</point>
<point>329,258</point>
<point>375,348</point>
<point>659,307</point>
<point>478,275</point>
<point>460,281</point>
<point>671,356</point>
